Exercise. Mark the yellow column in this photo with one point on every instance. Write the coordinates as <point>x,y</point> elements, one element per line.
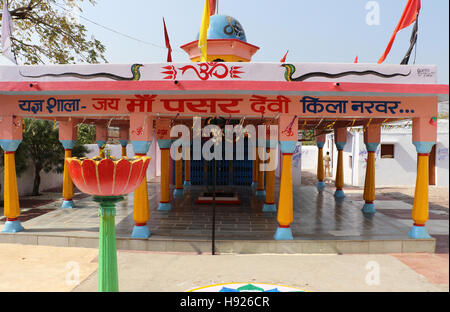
<point>369,184</point>
<point>178,176</point>
<point>420,205</point>
<point>320,170</point>
<point>141,212</point>
<point>285,214</point>
<point>339,182</point>
<point>68,188</point>
<point>269,204</point>
<point>124,151</point>
<point>11,195</point>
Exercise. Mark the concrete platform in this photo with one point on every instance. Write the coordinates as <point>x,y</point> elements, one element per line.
<point>321,225</point>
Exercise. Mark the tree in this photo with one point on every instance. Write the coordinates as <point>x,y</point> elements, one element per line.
<point>46,32</point>
<point>41,147</point>
<point>86,134</point>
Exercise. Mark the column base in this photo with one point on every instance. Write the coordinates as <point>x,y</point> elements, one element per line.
<point>368,208</point>
<point>140,231</point>
<point>320,186</point>
<point>178,192</point>
<point>283,233</point>
<point>187,183</point>
<point>13,227</point>
<point>260,193</point>
<point>269,208</point>
<point>164,207</point>
<point>254,184</point>
<point>419,232</point>
<point>67,204</point>
<point>339,194</point>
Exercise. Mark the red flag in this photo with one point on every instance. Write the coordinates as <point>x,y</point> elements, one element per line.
<point>213,6</point>
<point>409,16</point>
<point>356,59</point>
<point>166,35</point>
<point>284,57</point>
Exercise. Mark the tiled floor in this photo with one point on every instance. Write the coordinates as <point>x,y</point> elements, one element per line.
<point>316,216</point>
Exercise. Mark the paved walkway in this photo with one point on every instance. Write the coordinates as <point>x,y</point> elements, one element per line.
<point>43,268</point>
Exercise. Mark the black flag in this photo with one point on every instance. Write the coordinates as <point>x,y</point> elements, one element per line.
<point>412,42</point>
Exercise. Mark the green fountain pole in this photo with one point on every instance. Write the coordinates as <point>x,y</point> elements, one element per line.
<point>107,250</point>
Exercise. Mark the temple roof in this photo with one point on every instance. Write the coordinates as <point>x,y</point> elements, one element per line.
<point>225,27</point>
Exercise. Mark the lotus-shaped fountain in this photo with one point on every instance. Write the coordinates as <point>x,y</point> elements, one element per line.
<point>108,179</point>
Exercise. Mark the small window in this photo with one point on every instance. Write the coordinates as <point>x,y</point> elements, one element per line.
<point>350,162</point>
<point>387,151</point>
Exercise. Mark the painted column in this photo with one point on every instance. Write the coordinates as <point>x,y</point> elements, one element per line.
<point>320,141</point>
<point>371,139</point>
<point>255,163</point>
<point>255,169</point>
<point>124,133</point>
<point>141,130</point>
<point>164,142</point>
<point>179,191</point>
<point>424,137</point>
<point>260,192</point>
<point>108,280</point>
<point>340,137</point>
<point>187,165</point>
<point>67,137</point>
<point>10,138</point>
<point>269,204</point>
<point>101,136</point>
<point>288,136</point>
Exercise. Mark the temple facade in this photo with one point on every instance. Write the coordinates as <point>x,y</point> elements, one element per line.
<point>267,104</point>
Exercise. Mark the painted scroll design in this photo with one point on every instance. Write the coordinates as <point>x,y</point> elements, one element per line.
<point>290,70</point>
<point>205,71</point>
<point>135,71</point>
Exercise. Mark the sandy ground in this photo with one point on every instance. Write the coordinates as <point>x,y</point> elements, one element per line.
<point>38,268</point>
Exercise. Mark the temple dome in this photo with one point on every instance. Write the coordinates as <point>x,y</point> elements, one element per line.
<point>225,27</point>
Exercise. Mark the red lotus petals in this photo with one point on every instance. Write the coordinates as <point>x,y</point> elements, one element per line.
<point>108,177</point>
<point>123,170</point>
<point>135,176</point>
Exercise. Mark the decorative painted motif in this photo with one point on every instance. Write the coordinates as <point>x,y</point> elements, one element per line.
<point>205,71</point>
<point>247,287</point>
<point>107,176</point>
<point>288,130</point>
<point>290,70</point>
<point>135,71</point>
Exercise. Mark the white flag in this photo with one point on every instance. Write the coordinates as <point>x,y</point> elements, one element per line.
<point>7,29</point>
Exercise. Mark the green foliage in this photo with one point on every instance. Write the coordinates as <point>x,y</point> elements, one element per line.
<point>46,32</point>
<point>41,147</point>
<point>86,134</point>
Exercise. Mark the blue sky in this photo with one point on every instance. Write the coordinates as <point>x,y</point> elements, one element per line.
<point>312,31</point>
